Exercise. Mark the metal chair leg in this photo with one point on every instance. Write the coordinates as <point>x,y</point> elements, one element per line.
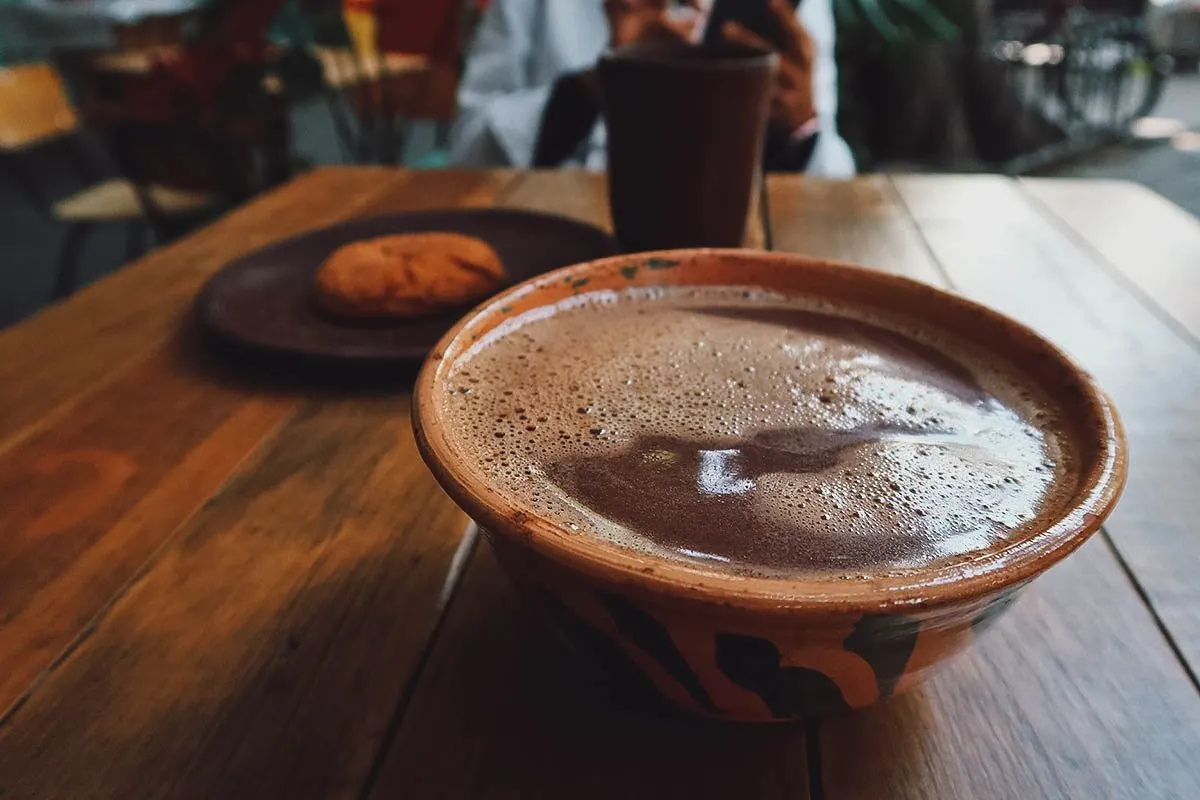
<point>66,279</point>
<point>135,240</point>
<point>341,125</point>
<point>84,168</point>
<point>441,135</point>
<point>395,139</point>
<point>368,138</point>
<point>387,138</point>
<point>20,176</point>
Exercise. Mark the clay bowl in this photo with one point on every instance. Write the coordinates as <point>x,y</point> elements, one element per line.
<point>758,649</point>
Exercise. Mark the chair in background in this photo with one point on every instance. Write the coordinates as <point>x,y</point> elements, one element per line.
<point>228,135</point>
<point>403,66</point>
<point>439,30</point>
<point>35,112</point>
<point>367,94</point>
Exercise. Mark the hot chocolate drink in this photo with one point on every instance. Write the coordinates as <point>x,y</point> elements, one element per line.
<point>748,431</point>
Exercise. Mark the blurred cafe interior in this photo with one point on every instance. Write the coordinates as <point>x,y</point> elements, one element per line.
<point>127,123</point>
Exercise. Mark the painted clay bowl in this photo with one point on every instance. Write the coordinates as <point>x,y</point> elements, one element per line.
<point>758,649</point>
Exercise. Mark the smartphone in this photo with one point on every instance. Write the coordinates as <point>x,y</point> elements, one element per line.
<point>753,15</point>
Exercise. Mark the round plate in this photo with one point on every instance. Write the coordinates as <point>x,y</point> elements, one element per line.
<point>265,299</point>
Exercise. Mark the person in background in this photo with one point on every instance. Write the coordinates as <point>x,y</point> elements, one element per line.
<point>529,97</point>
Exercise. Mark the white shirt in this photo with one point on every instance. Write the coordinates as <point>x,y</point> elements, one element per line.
<point>522,46</point>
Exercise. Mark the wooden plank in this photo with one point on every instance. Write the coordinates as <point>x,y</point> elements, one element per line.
<point>1072,694</point>
<point>426,189</point>
<point>90,499</point>
<point>1031,711</point>
<point>139,458</point>
<point>504,712</point>
<point>1148,240</point>
<point>63,352</point>
<point>67,350</point>
<point>263,652</point>
<point>577,193</point>
<point>1000,249</point>
<point>100,486</point>
<point>853,221</point>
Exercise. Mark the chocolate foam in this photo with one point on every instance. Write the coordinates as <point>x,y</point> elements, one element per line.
<point>747,431</point>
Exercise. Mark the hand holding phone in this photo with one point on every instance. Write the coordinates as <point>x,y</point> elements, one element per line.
<point>755,16</point>
<point>772,25</point>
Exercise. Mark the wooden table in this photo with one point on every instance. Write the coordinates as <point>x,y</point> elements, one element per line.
<point>221,585</point>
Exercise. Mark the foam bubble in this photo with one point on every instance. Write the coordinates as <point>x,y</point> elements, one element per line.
<point>699,423</point>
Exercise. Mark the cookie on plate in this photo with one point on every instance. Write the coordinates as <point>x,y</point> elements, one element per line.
<point>407,274</point>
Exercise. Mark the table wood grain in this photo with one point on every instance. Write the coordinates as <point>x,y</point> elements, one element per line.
<point>1145,239</point>
<point>220,584</point>
<point>998,247</point>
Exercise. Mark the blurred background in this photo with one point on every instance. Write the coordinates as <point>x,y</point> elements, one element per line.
<point>126,123</point>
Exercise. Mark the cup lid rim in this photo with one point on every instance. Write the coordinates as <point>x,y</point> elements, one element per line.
<point>658,55</point>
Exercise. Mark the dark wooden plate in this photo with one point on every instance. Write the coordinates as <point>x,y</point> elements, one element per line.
<point>264,299</point>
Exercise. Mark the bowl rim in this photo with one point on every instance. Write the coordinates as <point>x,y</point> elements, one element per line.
<point>662,579</point>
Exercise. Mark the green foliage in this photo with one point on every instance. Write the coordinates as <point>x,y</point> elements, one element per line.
<point>895,21</point>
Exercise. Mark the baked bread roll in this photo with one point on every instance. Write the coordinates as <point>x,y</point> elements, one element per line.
<point>407,274</point>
